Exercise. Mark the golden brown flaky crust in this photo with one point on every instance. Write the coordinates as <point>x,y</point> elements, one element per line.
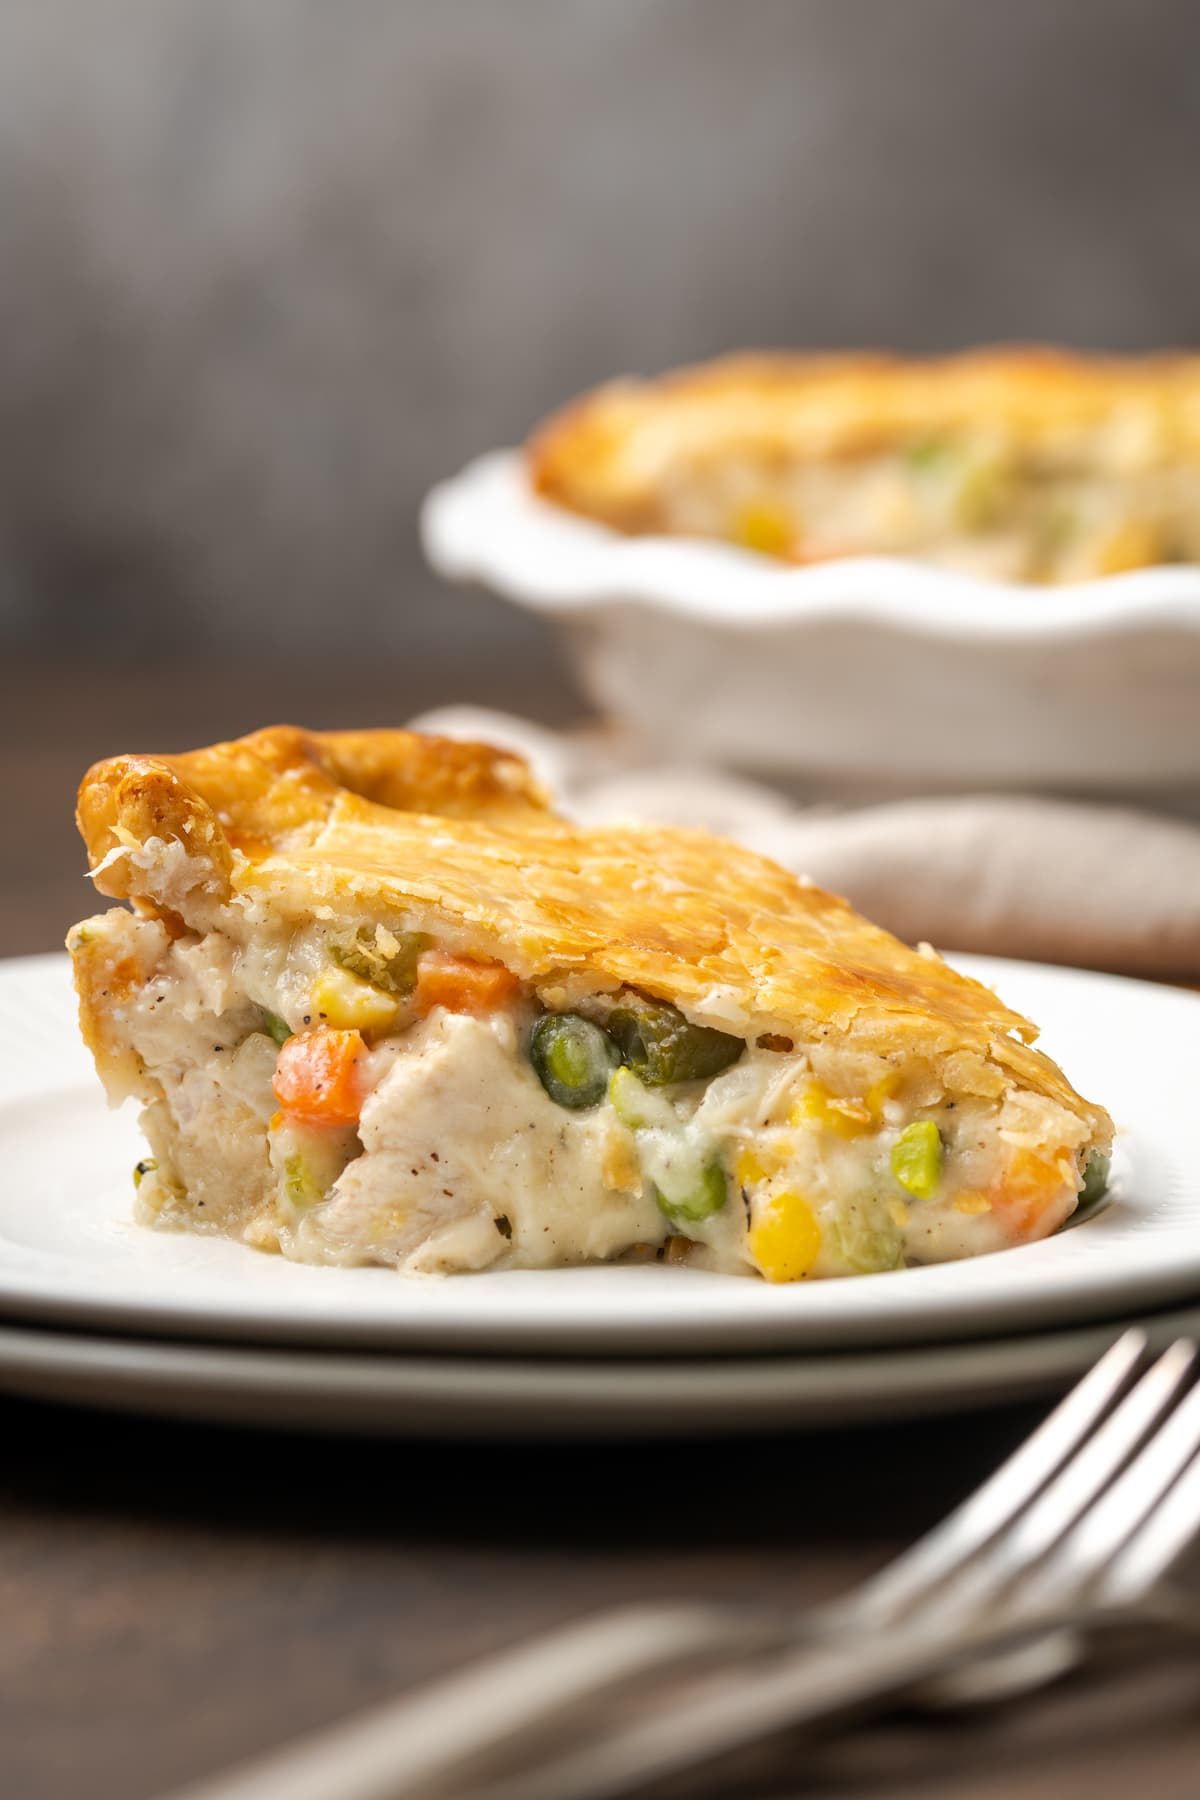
<point>390,821</point>
<point>609,453</point>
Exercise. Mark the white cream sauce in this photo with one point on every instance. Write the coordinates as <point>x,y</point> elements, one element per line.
<point>462,1161</point>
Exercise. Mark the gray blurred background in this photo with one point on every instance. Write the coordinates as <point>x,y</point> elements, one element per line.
<point>269,269</point>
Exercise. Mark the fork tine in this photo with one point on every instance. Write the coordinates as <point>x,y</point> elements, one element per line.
<point>1122,1513</point>
<point>1086,1476</point>
<point>892,1593</point>
<point>1007,1570</point>
<point>1159,1543</point>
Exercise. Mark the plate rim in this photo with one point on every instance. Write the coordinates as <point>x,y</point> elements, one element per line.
<point>350,1392</point>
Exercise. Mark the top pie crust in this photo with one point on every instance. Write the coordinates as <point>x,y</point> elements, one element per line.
<point>285,824</point>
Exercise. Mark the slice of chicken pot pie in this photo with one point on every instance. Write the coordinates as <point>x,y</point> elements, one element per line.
<point>381,1005</point>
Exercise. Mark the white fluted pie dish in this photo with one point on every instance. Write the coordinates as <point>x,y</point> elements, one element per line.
<point>861,668</point>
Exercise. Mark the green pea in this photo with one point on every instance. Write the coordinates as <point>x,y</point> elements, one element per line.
<point>572,1058</point>
<point>661,1046</point>
<point>917,1157</point>
<point>275,1027</point>
<point>146,1167</point>
<point>394,971</point>
<point>1095,1179</point>
<point>928,453</point>
<point>704,1196</point>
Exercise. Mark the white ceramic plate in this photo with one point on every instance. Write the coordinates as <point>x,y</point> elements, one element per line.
<point>70,1254</point>
<point>403,1394</point>
<point>757,664</point>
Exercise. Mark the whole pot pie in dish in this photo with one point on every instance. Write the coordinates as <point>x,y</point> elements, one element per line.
<point>382,1005</point>
<point>1017,464</point>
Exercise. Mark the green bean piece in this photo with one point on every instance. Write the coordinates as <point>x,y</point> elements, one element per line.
<point>275,1027</point>
<point>701,1200</point>
<point>1095,1179</point>
<point>917,1159</point>
<point>572,1058</point>
<point>661,1046</point>
<point>394,971</point>
<point>865,1240</point>
<point>301,1183</point>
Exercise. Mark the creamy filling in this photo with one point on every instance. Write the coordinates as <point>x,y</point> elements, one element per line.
<point>816,1160</point>
<point>961,503</point>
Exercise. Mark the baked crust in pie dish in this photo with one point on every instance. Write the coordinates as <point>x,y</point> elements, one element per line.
<point>1017,463</point>
<point>382,1005</point>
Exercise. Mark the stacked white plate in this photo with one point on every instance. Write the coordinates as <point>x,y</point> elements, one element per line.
<point>95,1310</point>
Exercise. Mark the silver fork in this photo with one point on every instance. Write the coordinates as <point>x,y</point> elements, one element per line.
<point>1074,1534</point>
<point>1074,1530</point>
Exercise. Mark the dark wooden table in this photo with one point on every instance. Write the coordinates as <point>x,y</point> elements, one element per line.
<point>173,1598</point>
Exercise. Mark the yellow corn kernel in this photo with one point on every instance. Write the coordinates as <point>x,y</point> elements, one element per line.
<point>770,1157</point>
<point>972,1201</point>
<point>785,1239</point>
<point>766,526</point>
<point>899,1212</point>
<point>880,1092</point>
<point>1133,545</point>
<point>749,1169</point>
<point>809,1108</point>
<point>817,1106</point>
<point>349,1003</point>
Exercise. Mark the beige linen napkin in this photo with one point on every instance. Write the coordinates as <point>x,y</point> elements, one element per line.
<point>1102,886</point>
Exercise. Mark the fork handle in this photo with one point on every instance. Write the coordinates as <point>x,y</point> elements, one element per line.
<point>405,1749</point>
<point>803,1687</point>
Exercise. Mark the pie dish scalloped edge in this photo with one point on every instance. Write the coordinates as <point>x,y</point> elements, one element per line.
<point>488,524</point>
